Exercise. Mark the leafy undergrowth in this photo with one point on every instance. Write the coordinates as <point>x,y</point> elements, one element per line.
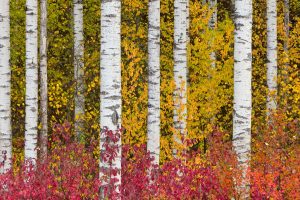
<point>71,170</point>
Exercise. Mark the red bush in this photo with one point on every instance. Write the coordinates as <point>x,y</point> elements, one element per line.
<point>71,170</point>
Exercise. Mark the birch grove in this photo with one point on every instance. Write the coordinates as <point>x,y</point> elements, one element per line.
<point>78,66</point>
<point>110,85</point>
<point>5,89</point>
<point>153,126</point>
<point>242,103</point>
<point>180,69</point>
<point>131,99</point>
<point>43,79</point>
<point>31,99</point>
<point>271,54</point>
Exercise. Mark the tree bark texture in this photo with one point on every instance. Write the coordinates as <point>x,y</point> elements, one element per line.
<point>153,125</point>
<point>242,89</point>
<point>180,69</point>
<point>110,84</point>
<point>31,98</point>
<point>5,89</point>
<point>271,55</point>
<point>78,67</point>
<point>43,80</point>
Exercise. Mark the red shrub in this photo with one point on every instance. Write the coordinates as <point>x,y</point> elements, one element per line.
<point>71,170</point>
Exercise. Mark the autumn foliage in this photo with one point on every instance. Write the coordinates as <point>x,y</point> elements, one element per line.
<point>208,167</point>
<point>275,160</point>
<point>71,170</point>
<point>210,90</point>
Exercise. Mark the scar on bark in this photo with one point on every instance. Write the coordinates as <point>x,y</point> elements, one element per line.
<point>115,117</point>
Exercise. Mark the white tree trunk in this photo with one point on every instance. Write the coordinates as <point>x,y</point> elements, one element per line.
<point>213,19</point>
<point>212,25</point>
<point>78,66</point>
<point>43,80</point>
<point>242,88</point>
<point>110,70</point>
<point>271,54</point>
<point>5,88</point>
<point>180,68</point>
<point>153,126</point>
<point>31,99</point>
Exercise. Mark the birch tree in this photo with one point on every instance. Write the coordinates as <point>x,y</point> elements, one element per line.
<point>180,68</point>
<point>212,25</point>
<point>242,88</point>
<point>31,98</point>
<point>78,66</point>
<point>110,84</point>
<point>5,88</point>
<point>43,79</point>
<point>213,19</point>
<point>271,54</point>
<point>153,126</point>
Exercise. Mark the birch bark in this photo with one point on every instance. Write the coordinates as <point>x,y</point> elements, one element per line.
<point>242,89</point>
<point>43,80</point>
<point>153,125</point>
<point>5,89</point>
<point>212,25</point>
<point>78,67</point>
<point>110,84</point>
<point>31,99</point>
<point>180,69</point>
<point>271,55</point>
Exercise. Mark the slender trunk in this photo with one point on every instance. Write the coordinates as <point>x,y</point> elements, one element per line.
<point>153,126</point>
<point>271,55</point>
<point>213,19</point>
<point>212,25</point>
<point>43,80</point>
<point>242,90</point>
<point>5,89</point>
<point>31,99</point>
<point>187,62</point>
<point>78,67</point>
<point>180,69</point>
<point>232,9</point>
<point>110,70</point>
<point>286,44</point>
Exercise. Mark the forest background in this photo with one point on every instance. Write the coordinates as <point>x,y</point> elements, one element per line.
<point>210,89</point>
